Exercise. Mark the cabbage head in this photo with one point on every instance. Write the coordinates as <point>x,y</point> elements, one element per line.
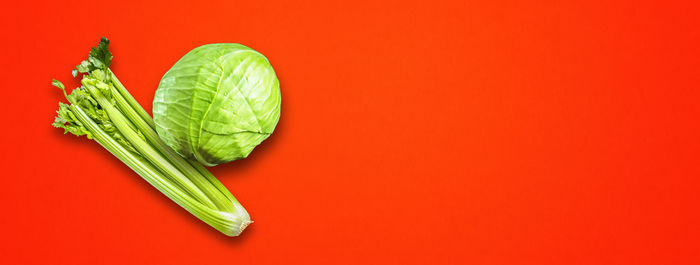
<point>217,103</point>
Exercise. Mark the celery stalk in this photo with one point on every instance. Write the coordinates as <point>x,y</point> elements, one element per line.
<point>103,110</point>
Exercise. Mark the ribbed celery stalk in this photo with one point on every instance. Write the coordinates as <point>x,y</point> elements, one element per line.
<point>103,110</point>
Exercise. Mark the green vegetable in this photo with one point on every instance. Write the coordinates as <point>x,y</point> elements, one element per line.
<point>217,103</point>
<point>103,110</point>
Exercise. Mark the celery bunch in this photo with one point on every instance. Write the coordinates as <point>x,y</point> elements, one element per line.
<point>103,110</point>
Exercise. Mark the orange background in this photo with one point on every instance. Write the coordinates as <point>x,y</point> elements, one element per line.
<point>412,132</point>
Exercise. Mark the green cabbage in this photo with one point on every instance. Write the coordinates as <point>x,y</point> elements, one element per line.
<point>217,103</point>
